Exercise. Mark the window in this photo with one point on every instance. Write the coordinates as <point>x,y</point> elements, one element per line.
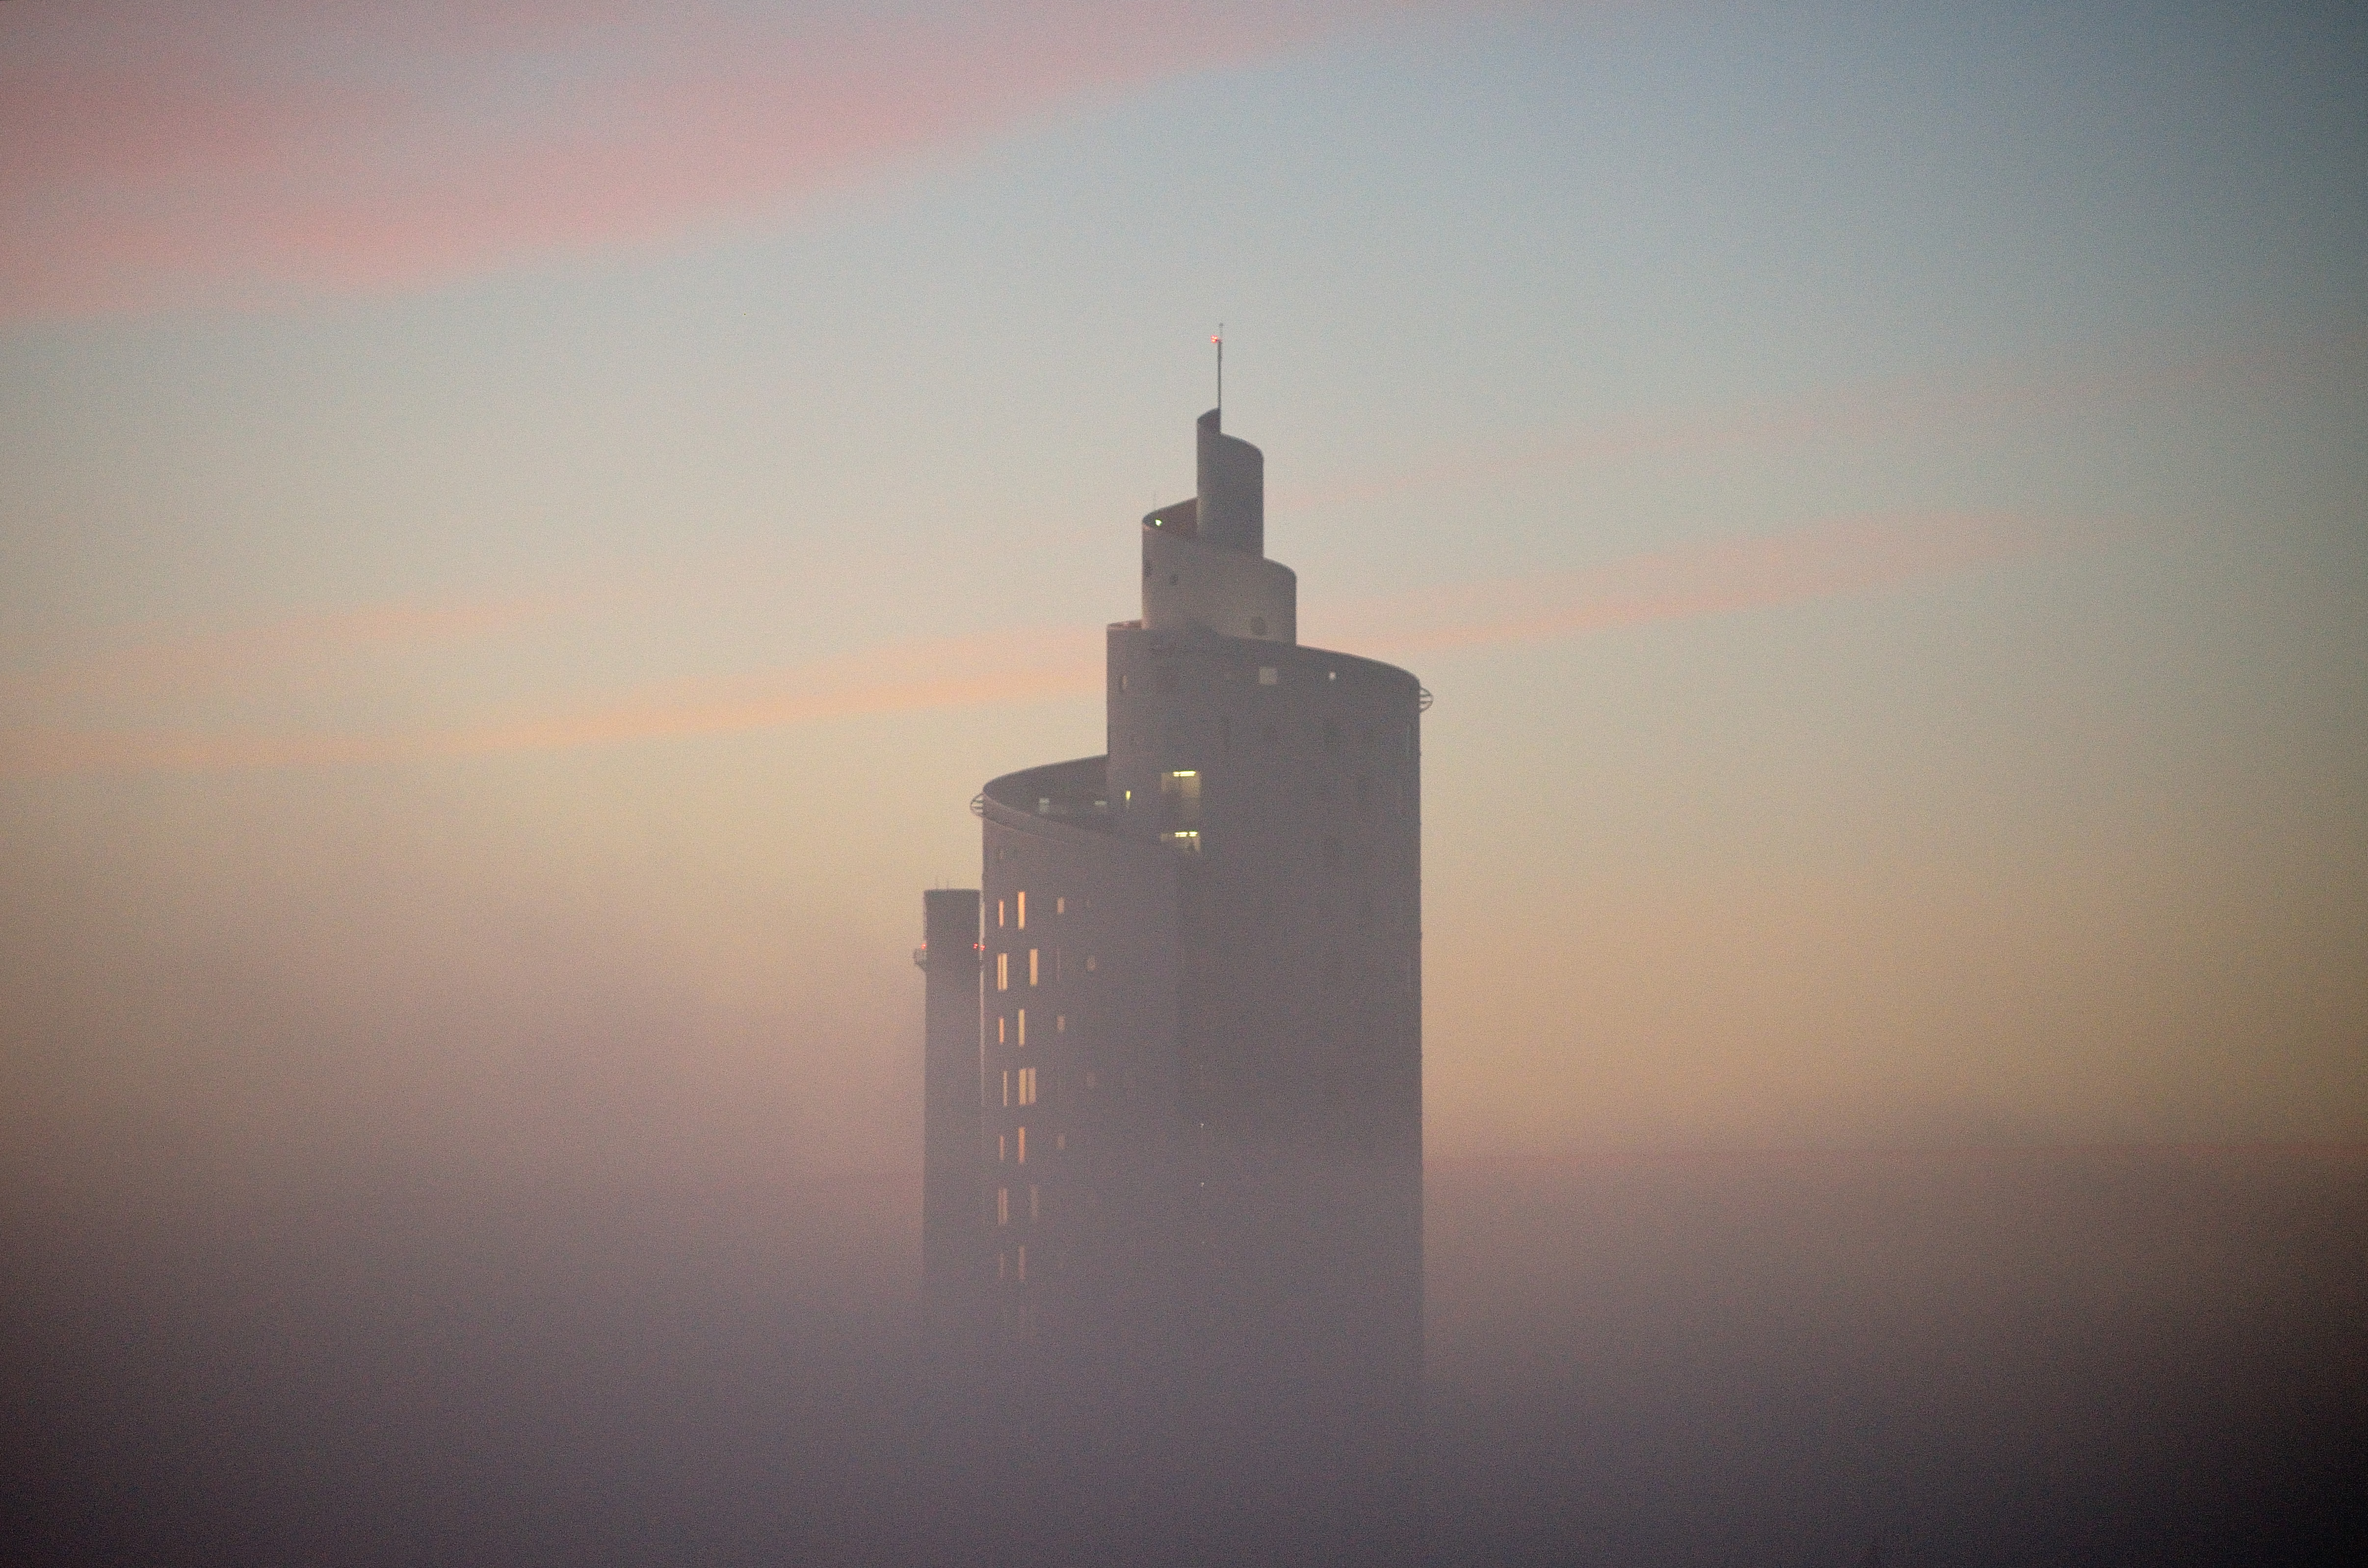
<point>1003,971</point>
<point>1028,1085</point>
<point>1003,1206</point>
<point>1023,1026</point>
<point>1002,1148</point>
<point>1089,963</point>
<point>1006,1088</point>
<point>1187,842</point>
<point>1032,965</point>
<point>1060,1023</point>
<point>1269,676</point>
<point>1035,1203</point>
<point>1020,1143</point>
<point>999,1028</point>
<point>1179,797</point>
<point>998,912</point>
<point>1022,901</point>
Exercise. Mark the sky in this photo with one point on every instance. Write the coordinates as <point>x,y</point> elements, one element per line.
<point>522,527</point>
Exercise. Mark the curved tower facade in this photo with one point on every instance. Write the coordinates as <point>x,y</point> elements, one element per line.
<point>1194,1247</point>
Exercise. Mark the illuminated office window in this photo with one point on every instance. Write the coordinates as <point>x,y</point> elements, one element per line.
<point>1022,900</point>
<point>999,1028</point>
<point>1032,965</point>
<point>1028,1085</point>
<point>1006,1088</point>
<point>1020,1144</point>
<point>1179,797</point>
<point>1035,1203</point>
<point>1060,906</point>
<point>1089,963</point>
<point>1003,1205</point>
<point>1060,1023</point>
<point>1023,1026</point>
<point>1003,971</point>
<point>999,915</point>
<point>1002,1148</point>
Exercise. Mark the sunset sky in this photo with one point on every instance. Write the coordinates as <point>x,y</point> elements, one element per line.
<point>522,527</point>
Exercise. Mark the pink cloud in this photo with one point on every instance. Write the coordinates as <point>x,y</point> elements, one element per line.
<point>159,664</point>
<point>256,151</point>
<point>1824,559</point>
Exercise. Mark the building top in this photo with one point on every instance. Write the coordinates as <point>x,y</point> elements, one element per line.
<point>1203,560</point>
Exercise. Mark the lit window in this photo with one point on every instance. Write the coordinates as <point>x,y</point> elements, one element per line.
<point>1003,1206</point>
<point>1020,1144</point>
<point>1185,842</point>
<point>999,915</point>
<point>1023,1026</point>
<point>1268,676</point>
<point>1002,1148</point>
<point>1022,901</point>
<point>1028,1085</point>
<point>1003,971</point>
<point>1179,797</point>
<point>1089,963</point>
<point>1060,906</point>
<point>1006,1088</point>
<point>1060,1023</point>
<point>999,1028</point>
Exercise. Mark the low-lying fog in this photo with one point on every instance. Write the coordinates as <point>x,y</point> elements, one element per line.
<point>2013,1356</point>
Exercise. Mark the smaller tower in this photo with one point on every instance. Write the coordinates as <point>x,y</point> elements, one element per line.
<point>950,1225</point>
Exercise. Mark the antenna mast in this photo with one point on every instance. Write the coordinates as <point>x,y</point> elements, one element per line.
<point>1220,341</point>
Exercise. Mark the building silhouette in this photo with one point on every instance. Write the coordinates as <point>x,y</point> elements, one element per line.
<point>1173,1166</point>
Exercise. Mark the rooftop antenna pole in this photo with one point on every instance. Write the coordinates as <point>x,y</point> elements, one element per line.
<point>1220,341</point>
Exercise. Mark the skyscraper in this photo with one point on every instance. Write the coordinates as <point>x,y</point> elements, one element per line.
<point>1191,1238</point>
